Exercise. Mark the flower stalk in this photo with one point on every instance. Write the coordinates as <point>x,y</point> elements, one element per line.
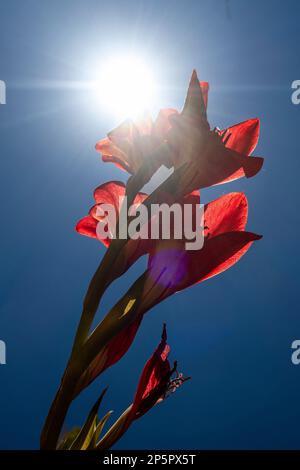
<point>201,157</point>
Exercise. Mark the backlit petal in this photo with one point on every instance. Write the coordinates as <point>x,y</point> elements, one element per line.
<point>243,137</point>
<point>228,213</point>
<point>87,226</point>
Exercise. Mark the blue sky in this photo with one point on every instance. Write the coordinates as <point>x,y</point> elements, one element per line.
<point>233,333</point>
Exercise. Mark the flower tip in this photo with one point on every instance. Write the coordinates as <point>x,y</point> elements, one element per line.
<point>253,166</point>
<point>164,333</point>
<point>254,126</point>
<point>254,236</point>
<point>255,121</point>
<point>194,78</point>
<point>98,146</point>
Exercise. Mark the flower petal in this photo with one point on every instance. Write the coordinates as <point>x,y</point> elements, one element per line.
<point>109,355</point>
<point>112,193</point>
<point>122,150</point>
<point>144,125</point>
<point>162,124</point>
<point>243,137</point>
<point>228,213</point>
<point>154,379</point>
<point>249,167</point>
<point>194,105</point>
<point>172,269</point>
<point>221,165</point>
<point>87,226</point>
<point>111,153</point>
<point>219,254</point>
<point>119,162</point>
<point>205,88</point>
<point>125,132</point>
<point>153,387</point>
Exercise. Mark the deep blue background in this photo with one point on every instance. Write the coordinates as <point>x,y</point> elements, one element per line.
<point>233,333</point>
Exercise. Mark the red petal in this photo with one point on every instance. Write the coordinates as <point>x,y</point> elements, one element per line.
<point>249,168</point>
<point>204,88</point>
<point>154,378</point>
<point>162,123</point>
<point>172,270</point>
<point>87,226</point>
<point>144,125</point>
<point>222,165</point>
<point>126,131</point>
<point>226,214</point>
<point>243,136</point>
<point>107,147</point>
<point>113,193</point>
<point>194,105</point>
<point>111,153</point>
<point>120,163</point>
<point>110,193</point>
<point>109,355</point>
<point>216,165</point>
<point>120,148</point>
<point>218,254</point>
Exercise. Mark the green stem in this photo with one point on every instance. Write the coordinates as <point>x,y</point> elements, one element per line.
<point>100,281</point>
<point>58,411</point>
<point>115,432</point>
<point>85,349</point>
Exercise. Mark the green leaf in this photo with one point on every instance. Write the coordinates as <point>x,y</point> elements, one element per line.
<point>68,438</point>
<point>85,436</point>
<point>98,430</point>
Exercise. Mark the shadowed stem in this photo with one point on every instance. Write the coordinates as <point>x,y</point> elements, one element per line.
<point>121,315</point>
<point>101,280</point>
<point>58,411</point>
<point>76,364</point>
<point>125,311</point>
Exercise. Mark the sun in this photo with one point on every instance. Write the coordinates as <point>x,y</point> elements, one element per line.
<point>125,86</point>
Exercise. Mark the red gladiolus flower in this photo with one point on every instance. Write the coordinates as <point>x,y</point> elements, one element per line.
<point>174,139</point>
<point>113,193</point>
<point>155,384</point>
<point>216,156</point>
<point>131,144</point>
<point>171,268</point>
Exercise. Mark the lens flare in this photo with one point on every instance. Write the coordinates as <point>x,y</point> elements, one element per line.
<point>125,86</point>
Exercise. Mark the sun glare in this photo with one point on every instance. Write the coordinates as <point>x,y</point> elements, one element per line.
<point>125,86</point>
